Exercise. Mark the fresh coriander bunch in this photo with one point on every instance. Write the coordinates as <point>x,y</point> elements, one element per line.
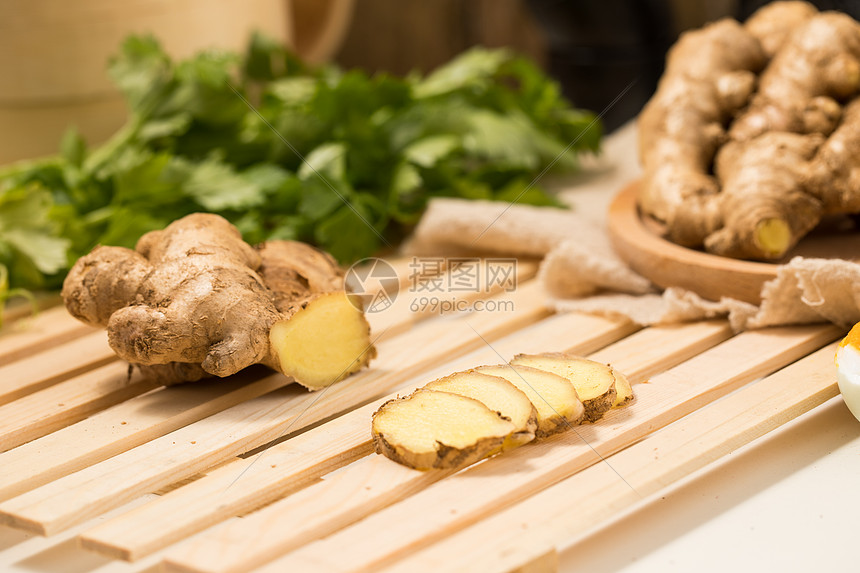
<point>340,159</point>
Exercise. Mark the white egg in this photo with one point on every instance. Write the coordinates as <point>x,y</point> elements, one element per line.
<point>848,376</point>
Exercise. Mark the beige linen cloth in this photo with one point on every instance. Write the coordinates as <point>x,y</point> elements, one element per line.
<point>581,272</point>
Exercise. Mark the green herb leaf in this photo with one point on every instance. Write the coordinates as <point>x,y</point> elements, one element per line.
<point>287,151</point>
<point>73,148</point>
<point>216,186</point>
<point>473,67</point>
<point>346,235</point>
<point>30,236</point>
<point>428,151</point>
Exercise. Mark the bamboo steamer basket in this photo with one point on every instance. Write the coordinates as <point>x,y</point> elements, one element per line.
<point>53,55</point>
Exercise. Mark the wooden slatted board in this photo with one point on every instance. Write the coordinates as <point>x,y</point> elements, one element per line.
<point>252,473</point>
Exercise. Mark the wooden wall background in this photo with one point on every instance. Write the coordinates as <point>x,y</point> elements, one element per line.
<point>399,36</point>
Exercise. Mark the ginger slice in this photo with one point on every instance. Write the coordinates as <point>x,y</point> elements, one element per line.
<point>555,400</point>
<point>623,390</point>
<point>594,382</point>
<point>323,342</point>
<point>438,430</point>
<point>498,395</point>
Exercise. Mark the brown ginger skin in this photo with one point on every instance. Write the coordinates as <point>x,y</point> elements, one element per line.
<point>773,23</point>
<point>834,173</point>
<point>710,75</point>
<point>294,270</point>
<point>773,191</point>
<point>764,204</point>
<point>195,299</point>
<point>751,181</point>
<point>799,92</point>
<point>195,296</point>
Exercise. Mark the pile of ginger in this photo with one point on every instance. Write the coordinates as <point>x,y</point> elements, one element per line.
<point>753,135</point>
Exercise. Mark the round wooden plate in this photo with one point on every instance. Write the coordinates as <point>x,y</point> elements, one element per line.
<point>638,241</point>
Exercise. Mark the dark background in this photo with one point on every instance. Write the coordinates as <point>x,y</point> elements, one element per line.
<point>595,48</point>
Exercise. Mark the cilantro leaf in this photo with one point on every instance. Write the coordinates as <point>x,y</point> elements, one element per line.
<point>476,66</point>
<point>428,151</point>
<point>346,235</point>
<point>217,186</point>
<point>285,150</point>
<point>31,247</point>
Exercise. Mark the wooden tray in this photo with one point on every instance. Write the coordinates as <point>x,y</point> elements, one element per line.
<point>638,241</point>
<point>100,461</point>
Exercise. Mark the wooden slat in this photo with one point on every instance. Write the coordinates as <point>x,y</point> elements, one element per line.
<point>593,334</point>
<point>414,304</point>
<point>54,346</point>
<point>410,270</point>
<point>578,505</point>
<point>24,553</point>
<point>375,483</point>
<point>54,326</point>
<point>23,334</point>
<point>637,351</point>
<point>465,498</point>
<point>48,329</point>
<point>194,448</point>
<point>53,365</point>
<point>68,402</point>
<point>19,308</point>
<point>544,563</point>
<point>211,498</point>
<point>126,425</point>
<point>29,419</point>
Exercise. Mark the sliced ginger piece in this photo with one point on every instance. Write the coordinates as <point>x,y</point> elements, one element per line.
<point>623,390</point>
<point>497,394</point>
<point>594,382</point>
<point>554,397</point>
<point>438,430</point>
<point>323,342</point>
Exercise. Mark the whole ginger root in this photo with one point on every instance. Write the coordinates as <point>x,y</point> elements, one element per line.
<point>773,23</point>
<point>709,77</point>
<point>834,173</point>
<point>749,177</point>
<point>798,92</point>
<point>195,300</point>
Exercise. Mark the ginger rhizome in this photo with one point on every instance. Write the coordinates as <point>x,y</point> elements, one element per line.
<point>749,140</point>
<point>467,416</point>
<point>195,300</point>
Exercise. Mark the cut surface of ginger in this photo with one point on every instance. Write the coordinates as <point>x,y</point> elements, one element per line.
<point>594,382</point>
<point>554,397</point>
<point>314,351</point>
<point>497,394</point>
<point>438,430</point>
<point>623,390</point>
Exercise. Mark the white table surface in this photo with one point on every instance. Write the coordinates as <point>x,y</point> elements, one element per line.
<point>789,501</point>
